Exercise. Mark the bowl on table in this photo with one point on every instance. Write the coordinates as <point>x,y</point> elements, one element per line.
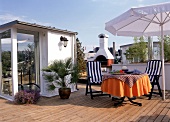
<point>125,70</point>
<point>129,72</point>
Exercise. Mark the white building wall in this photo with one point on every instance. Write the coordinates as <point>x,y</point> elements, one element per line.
<point>89,56</point>
<point>43,43</point>
<point>156,51</point>
<point>56,50</point>
<point>51,49</point>
<point>124,61</point>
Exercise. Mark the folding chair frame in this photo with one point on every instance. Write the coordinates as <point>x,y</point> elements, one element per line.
<point>89,90</point>
<point>155,80</point>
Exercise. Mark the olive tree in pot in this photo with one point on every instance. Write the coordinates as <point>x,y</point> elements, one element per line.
<point>58,70</point>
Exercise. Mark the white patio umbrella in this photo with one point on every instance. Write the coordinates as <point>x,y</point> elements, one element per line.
<point>151,20</point>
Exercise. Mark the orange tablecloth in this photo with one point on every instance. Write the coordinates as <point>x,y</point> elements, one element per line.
<point>119,88</point>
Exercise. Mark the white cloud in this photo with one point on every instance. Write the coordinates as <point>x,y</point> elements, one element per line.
<point>140,0</point>
<point>106,3</point>
<point>97,0</point>
<point>38,22</point>
<point>8,17</point>
<point>4,18</point>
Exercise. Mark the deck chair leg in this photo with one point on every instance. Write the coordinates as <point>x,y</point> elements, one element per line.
<point>90,91</point>
<point>159,89</point>
<point>150,96</point>
<point>87,85</point>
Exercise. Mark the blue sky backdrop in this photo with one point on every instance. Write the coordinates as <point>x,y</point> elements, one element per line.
<point>87,17</point>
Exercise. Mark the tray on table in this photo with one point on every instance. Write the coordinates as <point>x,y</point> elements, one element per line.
<point>118,73</point>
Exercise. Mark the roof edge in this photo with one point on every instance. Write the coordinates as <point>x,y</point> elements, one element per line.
<point>35,25</point>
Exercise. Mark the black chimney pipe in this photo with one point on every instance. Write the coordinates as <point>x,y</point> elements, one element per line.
<point>114,52</point>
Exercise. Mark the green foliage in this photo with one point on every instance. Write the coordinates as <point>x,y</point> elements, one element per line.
<point>6,61</point>
<point>57,71</point>
<point>49,77</point>
<point>166,47</point>
<point>150,48</point>
<point>137,51</point>
<point>131,53</point>
<point>51,87</point>
<point>75,74</point>
<point>25,59</point>
<point>81,63</point>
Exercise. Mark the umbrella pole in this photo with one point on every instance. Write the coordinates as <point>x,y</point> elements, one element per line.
<point>163,68</point>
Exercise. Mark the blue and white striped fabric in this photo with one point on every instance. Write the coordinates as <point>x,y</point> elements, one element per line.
<point>94,71</point>
<point>153,68</point>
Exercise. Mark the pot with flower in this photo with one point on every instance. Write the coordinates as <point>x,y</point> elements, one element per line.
<point>60,73</point>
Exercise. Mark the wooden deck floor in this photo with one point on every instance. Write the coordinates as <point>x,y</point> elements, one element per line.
<point>80,108</point>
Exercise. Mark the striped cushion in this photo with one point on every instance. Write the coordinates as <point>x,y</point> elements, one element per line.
<point>94,71</point>
<point>153,68</point>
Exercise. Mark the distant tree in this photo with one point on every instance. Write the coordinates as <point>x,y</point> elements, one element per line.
<point>141,49</point>
<point>6,61</point>
<point>131,53</point>
<point>137,52</point>
<point>80,57</point>
<point>150,48</point>
<point>166,47</point>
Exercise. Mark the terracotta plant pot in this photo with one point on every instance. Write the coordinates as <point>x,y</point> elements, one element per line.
<point>64,93</point>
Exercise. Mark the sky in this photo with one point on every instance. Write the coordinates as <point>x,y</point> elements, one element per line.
<point>87,17</point>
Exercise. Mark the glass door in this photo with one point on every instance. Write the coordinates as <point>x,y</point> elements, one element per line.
<point>5,64</point>
<point>28,61</point>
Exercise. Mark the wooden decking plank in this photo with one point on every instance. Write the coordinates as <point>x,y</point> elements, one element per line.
<point>167,115</point>
<point>119,111</point>
<point>160,111</point>
<point>57,114</point>
<point>152,111</point>
<point>80,108</point>
<point>103,112</point>
<point>79,113</point>
<point>164,112</point>
<point>134,111</point>
<point>103,105</point>
<point>148,112</point>
<point>143,111</point>
<point>125,113</point>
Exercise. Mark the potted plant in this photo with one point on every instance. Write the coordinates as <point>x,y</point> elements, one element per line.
<point>57,73</point>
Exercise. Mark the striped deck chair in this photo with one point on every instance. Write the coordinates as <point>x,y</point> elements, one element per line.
<point>153,69</point>
<point>94,77</point>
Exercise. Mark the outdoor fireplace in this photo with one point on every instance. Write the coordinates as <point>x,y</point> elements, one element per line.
<point>103,54</point>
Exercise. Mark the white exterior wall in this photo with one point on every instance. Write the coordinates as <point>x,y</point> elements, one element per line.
<point>89,56</point>
<point>43,43</point>
<point>55,48</point>
<point>14,61</point>
<point>156,51</point>
<point>124,61</point>
<point>142,68</point>
<point>50,50</point>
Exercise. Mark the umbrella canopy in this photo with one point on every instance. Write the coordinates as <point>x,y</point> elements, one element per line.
<point>151,20</point>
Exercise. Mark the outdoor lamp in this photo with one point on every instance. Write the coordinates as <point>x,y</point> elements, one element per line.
<point>64,40</point>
